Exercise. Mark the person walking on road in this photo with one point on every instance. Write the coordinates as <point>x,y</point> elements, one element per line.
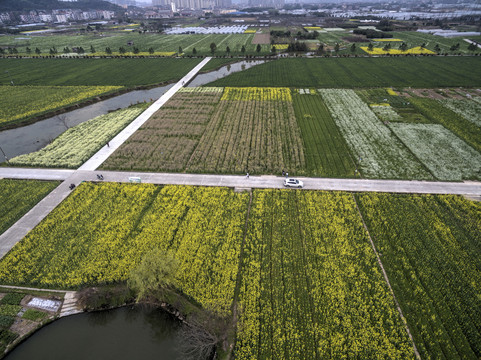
<point>247,175</point>
<point>287,174</point>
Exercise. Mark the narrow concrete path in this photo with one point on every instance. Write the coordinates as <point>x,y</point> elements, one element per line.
<point>35,174</point>
<point>95,161</point>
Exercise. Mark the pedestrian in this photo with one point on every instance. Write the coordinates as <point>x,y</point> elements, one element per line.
<point>247,175</point>
<point>283,173</point>
<point>287,174</point>
<point>108,145</point>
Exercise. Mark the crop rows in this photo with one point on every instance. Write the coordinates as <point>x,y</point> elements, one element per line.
<point>160,43</point>
<point>443,153</point>
<point>360,72</point>
<point>23,102</point>
<point>102,231</point>
<point>311,286</point>
<point>167,140</point>
<point>379,152</point>
<point>19,196</point>
<point>468,109</point>
<point>78,144</point>
<point>88,72</point>
<point>198,132</point>
<point>465,129</point>
<point>254,136</point>
<point>325,150</point>
<point>430,248</point>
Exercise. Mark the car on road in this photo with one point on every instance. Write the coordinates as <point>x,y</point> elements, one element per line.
<point>291,182</point>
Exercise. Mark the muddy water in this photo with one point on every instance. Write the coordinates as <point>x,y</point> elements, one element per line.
<point>125,333</point>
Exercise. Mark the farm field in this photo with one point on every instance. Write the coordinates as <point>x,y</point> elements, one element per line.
<point>378,152</point>
<point>454,159</point>
<point>311,287</point>
<point>102,231</point>
<point>430,248</point>
<point>76,145</point>
<point>464,128</point>
<point>19,196</point>
<point>316,132</point>
<point>306,261</point>
<point>230,130</point>
<point>21,103</point>
<point>160,43</point>
<point>325,150</point>
<point>94,72</point>
<point>360,72</point>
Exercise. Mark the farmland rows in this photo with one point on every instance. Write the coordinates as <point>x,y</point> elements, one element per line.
<point>465,129</point>
<point>326,152</point>
<point>163,43</point>
<point>307,261</point>
<point>193,133</point>
<point>360,72</point>
<point>310,284</point>
<point>381,154</point>
<point>89,72</point>
<point>468,109</point>
<point>444,154</point>
<point>19,196</point>
<point>102,231</point>
<point>72,148</point>
<point>431,254</point>
<point>256,136</point>
<point>167,140</point>
<point>22,102</point>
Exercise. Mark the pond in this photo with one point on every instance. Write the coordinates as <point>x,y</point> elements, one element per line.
<point>136,332</point>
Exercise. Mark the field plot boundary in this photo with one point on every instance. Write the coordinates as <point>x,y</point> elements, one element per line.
<point>386,278</point>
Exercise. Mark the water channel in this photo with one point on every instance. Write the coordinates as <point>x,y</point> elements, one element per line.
<point>33,137</point>
<point>125,333</point>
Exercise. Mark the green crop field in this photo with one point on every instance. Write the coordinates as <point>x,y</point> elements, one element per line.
<point>361,72</point>
<point>121,72</point>
<point>160,43</point>
<point>325,150</point>
<point>311,288</point>
<point>18,197</point>
<point>431,249</point>
<point>23,103</point>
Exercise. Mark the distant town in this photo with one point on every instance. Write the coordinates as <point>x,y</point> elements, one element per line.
<point>161,9</point>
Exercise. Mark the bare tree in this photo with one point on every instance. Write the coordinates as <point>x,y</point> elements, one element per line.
<point>202,333</point>
<point>63,119</point>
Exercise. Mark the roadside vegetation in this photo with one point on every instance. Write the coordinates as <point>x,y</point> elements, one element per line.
<point>21,104</point>
<point>19,196</point>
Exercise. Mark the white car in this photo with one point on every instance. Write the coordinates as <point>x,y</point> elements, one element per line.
<point>293,183</point>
